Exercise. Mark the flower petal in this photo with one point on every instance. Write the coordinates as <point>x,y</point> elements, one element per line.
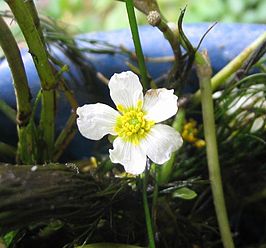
<point>131,156</point>
<point>160,104</point>
<point>257,124</point>
<point>161,142</point>
<point>96,120</point>
<point>125,89</point>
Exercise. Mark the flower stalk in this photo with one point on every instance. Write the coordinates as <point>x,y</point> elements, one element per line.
<point>147,210</point>
<point>39,54</point>
<point>135,35</point>
<point>204,73</point>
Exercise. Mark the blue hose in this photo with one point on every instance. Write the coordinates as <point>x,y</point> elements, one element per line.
<point>223,43</point>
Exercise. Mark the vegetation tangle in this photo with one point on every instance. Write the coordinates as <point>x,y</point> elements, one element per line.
<point>196,180</point>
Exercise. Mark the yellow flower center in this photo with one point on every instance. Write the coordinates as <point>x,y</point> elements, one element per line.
<point>132,125</point>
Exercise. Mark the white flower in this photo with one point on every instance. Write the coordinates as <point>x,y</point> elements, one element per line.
<point>134,124</point>
<point>253,97</point>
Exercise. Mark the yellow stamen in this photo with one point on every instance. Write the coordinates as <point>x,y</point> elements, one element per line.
<point>132,125</point>
<point>200,143</point>
<point>190,133</point>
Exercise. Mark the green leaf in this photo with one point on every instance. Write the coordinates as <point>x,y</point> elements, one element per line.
<point>185,193</point>
<point>8,238</point>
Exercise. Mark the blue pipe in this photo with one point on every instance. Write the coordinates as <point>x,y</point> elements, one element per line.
<point>223,43</point>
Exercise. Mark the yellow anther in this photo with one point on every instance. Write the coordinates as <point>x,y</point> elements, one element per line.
<point>190,133</point>
<point>120,108</point>
<point>132,125</point>
<point>191,138</point>
<point>200,143</point>
<point>139,105</point>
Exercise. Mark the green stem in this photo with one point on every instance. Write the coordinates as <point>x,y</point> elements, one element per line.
<point>154,19</point>
<point>204,73</point>
<point>11,51</point>
<point>231,68</point>
<point>65,137</point>
<point>22,92</point>
<point>166,170</point>
<point>147,210</point>
<point>137,44</point>
<point>7,150</point>
<point>8,111</point>
<point>69,131</point>
<point>48,81</point>
<point>33,10</point>
<point>155,199</point>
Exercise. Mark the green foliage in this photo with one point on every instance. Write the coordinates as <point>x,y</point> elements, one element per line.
<point>85,16</point>
<point>185,193</point>
<point>8,238</point>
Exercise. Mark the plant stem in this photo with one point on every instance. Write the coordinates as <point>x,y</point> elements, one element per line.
<point>69,131</point>
<point>137,44</point>
<point>48,81</point>
<point>204,73</point>
<point>231,67</point>
<point>166,170</point>
<point>8,111</point>
<point>22,92</point>
<point>147,210</point>
<point>154,19</point>
<point>32,8</point>
<point>11,51</point>
<point>7,150</point>
<point>155,199</point>
<point>65,137</point>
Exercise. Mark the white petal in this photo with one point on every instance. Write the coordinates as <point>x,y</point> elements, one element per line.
<point>257,124</point>
<point>161,142</point>
<point>160,104</point>
<point>131,156</point>
<point>125,89</point>
<point>96,120</point>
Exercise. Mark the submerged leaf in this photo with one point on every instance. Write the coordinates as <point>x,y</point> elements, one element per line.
<point>185,193</point>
